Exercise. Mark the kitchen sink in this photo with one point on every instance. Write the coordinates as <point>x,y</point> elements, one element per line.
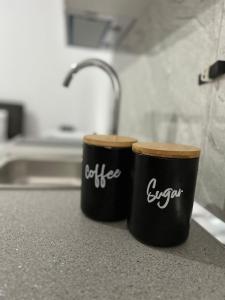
<point>48,142</point>
<point>33,173</point>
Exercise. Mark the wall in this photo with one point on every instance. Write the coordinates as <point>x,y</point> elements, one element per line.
<point>33,62</point>
<point>170,45</point>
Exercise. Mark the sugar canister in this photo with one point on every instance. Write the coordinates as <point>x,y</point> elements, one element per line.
<point>163,192</point>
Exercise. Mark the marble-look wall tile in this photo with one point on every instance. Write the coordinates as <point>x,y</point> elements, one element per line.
<point>213,167</point>
<point>171,44</point>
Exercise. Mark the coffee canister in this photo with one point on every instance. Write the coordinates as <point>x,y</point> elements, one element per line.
<point>163,192</point>
<point>106,176</point>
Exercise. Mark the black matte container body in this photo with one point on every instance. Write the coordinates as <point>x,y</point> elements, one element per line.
<point>109,202</point>
<point>162,218</point>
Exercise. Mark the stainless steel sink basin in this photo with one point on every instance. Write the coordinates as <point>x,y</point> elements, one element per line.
<point>40,174</point>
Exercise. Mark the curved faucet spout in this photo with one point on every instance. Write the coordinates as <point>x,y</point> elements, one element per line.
<point>93,62</point>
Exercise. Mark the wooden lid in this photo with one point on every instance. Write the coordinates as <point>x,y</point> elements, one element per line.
<point>115,141</point>
<point>166,150</point>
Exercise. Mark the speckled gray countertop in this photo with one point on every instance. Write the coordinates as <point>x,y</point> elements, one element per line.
<point>49,250</point>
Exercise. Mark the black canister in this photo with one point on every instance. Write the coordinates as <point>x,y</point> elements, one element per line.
<point>163,193</point>
<point>106,176</point>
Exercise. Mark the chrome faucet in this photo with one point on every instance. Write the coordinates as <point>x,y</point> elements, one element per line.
<point>93,62</point>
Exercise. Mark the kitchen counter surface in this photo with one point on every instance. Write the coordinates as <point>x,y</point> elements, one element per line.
<point>50,250</point>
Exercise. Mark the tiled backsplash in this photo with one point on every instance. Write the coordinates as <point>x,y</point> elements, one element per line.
<point>169,46</point>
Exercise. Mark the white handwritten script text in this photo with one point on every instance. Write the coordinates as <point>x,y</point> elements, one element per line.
<point>100,175</point>
<point>163,198</point>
